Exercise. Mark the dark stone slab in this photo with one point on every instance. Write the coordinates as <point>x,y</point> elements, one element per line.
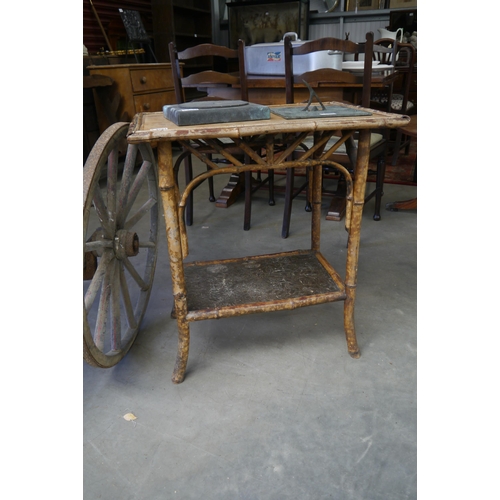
<point>205,112</point>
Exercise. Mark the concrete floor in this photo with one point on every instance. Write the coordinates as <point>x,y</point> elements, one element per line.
<point>272,406</point>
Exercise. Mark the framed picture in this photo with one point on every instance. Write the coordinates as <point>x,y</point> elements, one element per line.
<point>264,21</point>
<point>352,5</point>
<point>402,4</point>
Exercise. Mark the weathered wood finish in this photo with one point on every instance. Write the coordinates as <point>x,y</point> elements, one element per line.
<point>119,258</point>
<point>153,127</point>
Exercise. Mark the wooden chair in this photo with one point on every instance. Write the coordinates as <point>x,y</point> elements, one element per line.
<point>346,155</point>
<point>405,64</point>
<point>403,60</point>
<point>411,131</point>
<point>225,59</point>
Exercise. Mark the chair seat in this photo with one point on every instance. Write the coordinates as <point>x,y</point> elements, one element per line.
<point>396,102</point>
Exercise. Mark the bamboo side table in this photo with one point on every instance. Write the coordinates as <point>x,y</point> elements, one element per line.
<point>251,286</point>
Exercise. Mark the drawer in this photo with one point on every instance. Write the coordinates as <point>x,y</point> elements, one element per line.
<point>145,80</point>
<point>153,102</point>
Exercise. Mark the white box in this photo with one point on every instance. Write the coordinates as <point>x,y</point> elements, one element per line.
<point>269,59</point>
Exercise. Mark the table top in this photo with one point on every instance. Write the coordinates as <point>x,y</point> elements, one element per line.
<point>379,79</point>
<point>130,66</point>
<point>411,128</point>
<point>152,127</point>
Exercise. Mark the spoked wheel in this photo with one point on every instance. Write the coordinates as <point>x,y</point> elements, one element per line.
<point>120,233</point>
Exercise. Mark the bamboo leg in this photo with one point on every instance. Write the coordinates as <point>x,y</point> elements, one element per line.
<point>316,181</point>
<point>183,342</point>
<point>353,241</point>
<point>350,332</point>
<point>169,196</point>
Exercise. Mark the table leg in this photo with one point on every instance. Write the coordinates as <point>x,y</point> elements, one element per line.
<point>353,241</point>
<point>169,195</point>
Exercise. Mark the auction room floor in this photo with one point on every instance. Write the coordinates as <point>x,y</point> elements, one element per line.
<point>272,406</point>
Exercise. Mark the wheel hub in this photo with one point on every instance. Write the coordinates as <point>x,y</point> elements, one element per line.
<point>126,244</point>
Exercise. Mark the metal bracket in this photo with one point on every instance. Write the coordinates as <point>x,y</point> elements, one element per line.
<point>312,95</point>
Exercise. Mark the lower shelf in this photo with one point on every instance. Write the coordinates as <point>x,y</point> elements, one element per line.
<point>264,283</point>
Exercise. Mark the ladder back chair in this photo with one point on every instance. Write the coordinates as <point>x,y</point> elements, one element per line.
<point>209,56</point>
<point>345,155</point>
<point>401,102</point>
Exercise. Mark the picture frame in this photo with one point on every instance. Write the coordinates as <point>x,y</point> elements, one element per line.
<point>353,5</point>
<point>402,4</point>
<point>264,21</point>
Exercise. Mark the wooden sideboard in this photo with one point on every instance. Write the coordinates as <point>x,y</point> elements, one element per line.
<point>135,88</point>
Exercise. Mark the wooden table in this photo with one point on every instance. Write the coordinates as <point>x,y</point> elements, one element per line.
<point>305,277</point>
<point>270,90</point>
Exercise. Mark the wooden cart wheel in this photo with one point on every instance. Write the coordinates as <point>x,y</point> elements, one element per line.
<point>120,236</point>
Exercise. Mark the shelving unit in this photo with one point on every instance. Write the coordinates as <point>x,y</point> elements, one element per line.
<point>341,15</point>
<point>186,22</point>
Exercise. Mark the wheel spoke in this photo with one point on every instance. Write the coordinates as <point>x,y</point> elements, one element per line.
<point>131,269</point>
<point>102,314</point>
<point>102,211</point>
<point>111,184</point>
<point>129,310</point>
<point>140,213</point>
<point>136,187</point>
<point>95,284</point>
<point>128,170</point>
<point>116,331</point>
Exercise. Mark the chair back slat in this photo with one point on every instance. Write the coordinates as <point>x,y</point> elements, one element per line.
<point>211,77</point>
<point>328,75</point>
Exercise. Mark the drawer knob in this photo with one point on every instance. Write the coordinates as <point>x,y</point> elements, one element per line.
<point>146,106</point>
<point>143,79</point>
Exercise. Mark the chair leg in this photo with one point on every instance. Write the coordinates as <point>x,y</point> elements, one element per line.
<point>397,146</point>
<point>308,207</point>
<point>188,172</point>
<point>248,200</point>
<point>379,186</point>
<point>211,195</point>
<point>270,182</point>
<point>287,213</point>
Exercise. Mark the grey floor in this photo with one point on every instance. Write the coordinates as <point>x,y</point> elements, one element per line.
<point>272,406</point>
